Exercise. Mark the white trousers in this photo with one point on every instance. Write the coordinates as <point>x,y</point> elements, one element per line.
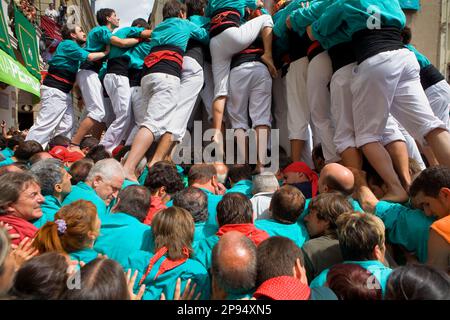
<point>389,82</point>
<point>250,94</point>
<point>228,43</point>
<point>297,100</point>
<point>138,113</point>
<point>119,91</point>
<point>342,114</point>
<point>279,110</point>
<point>207,92</point>
<point>319,76</point>
<point>413,150</point>
<point>160,95</point>
<point>190,86</point>
<point>439,97</point>
<point>92,92</point>
<point>55,116</point>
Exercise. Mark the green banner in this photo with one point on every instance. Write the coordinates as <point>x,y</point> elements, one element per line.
<point>15,74</point>
<point>5,43</point>
<point>410,4</point>
<point>28,45</point>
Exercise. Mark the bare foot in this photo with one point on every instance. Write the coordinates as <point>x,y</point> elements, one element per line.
<point>130,176</point>
<point>398,195</point>
<point>268,61</point>
<point>74,148</point>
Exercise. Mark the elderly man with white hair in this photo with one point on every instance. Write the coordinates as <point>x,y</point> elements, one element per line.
<point>102,186</point>
<point>264,186</point>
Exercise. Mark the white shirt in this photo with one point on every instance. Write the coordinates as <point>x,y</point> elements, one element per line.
<point>52,13</point>
<point>261,203</point>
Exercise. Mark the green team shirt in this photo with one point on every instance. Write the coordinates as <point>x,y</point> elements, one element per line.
<point>68,56</point>
<point>177,32</point>
<point>351,16</point>
<point>98,38</point>
<point>239,5</point>
<point>303,17</point>
<point>405,226</point>
<point>124,33</point>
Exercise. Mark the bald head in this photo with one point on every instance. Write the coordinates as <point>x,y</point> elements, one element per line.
<point>335,177</point>
<point>234,263</point>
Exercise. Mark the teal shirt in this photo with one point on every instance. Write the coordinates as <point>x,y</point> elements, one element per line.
<point>124,33</point>
<point>280,28</point>
<point>200,21</point>
<point>203,251</point>
<point>68,56</point>
<point>319,27</point>
<point>203,231</point>
<point>6,162</point>
<point>7,152</point>
<point>379,270</point>
<point>351,16</point>
<point>405,226</point>
<point>166,282</point>
<point>137,55</point>
<point>84,192</point>
<point>239,5</point>
<point>423,61</point>
<point>177,32</point>
<point>122,234</point>
<point>304,17</point>
<point>296,231</point>
<point>98,38</point>
<point>143,176</point>
<point>86,255</point>
<point>244,186</point>
<point>213,201</point>
<point>49,208</point>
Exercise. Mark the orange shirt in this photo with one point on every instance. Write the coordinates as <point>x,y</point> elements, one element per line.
<point>442,227</point>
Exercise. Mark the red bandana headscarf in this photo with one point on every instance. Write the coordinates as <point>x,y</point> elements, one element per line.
<point>302,167</point>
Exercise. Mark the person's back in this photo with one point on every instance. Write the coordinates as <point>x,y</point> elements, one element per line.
<point>123,232</point>
<point>173,230</point>
<point>286,206</point>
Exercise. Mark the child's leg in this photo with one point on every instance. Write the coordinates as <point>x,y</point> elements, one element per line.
<point>394,142</point>
<point>92,92</point>
<point>223,47</point>
<point>53,108</point>
<point>342,115</point>
<point>280,110</point>
<point>138,111</point>
<point>298,114</point>
<point>260,109</point>
<point>439,97</point>
<point>373,88</point>
<point>190,87</point>
<point>412,109</point>
<point>118,88</point>
<point>413,149</point>
<point>319,76</point>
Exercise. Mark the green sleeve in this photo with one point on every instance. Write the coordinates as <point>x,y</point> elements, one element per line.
<point>198,33</point>
<point>105,36</point>
<point>303,17</point>
<point>329,21</point>
<point>405,226</point>
<point>251,4</point>
<point>75,52</point>
<point>135,32</point>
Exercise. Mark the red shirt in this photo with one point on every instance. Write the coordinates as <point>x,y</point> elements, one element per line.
<point>283,288</point>
<point>155,206</point>
<point>249,230</point>
<point>19,226</point>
